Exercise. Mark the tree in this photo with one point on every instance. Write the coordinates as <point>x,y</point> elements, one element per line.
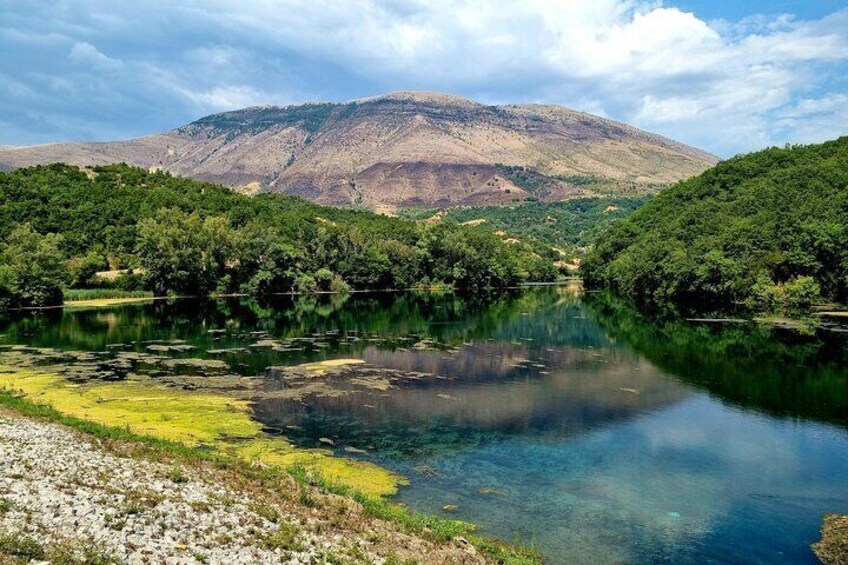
<point>267,264</point>
<point>82,268</point>
<point>171,253</point>
<point>768,229</point>
<point>32,273</point>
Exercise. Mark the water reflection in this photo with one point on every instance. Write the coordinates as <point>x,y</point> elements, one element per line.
<point>780,371</point>
<point>480,393</point>
<point>569,420</point>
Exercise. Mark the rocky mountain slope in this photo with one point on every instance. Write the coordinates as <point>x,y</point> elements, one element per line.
<point>401,149</point>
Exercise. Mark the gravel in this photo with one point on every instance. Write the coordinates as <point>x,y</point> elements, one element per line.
<point>60,489</point>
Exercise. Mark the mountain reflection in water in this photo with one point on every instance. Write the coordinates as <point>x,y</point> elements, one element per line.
<point>566,419</point>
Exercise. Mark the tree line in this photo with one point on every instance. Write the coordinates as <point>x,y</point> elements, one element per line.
<point>59,225</point>
<point>766,231</point>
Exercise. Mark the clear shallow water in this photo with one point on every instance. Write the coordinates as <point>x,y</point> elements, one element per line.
<point>563,420</point>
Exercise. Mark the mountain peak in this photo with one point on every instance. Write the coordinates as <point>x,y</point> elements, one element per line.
<point>402,149</point>
<point>422,96</point>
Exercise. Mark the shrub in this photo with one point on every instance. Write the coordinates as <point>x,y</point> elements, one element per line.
<point>801,294</point>
<point>83,268</point>
<point>793,297</point>
<point>327,281</point>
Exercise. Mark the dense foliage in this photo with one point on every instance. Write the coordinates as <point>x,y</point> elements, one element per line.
<point>768,230</point>
<point>569,226</point>
<point>59,225</point>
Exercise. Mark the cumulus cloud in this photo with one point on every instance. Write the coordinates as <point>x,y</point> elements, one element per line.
<point>727,86</point>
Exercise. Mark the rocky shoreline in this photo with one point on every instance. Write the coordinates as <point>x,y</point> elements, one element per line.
<point>69,498</point>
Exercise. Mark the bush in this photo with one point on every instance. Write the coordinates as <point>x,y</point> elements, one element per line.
<point>83,268</point>
<point>306,284</point>
<point>794,297</point>
<point>765,296</point>
<point>322,280</point>
<point>327,281</point>
<point>801,294</point>
<point>129,281</point>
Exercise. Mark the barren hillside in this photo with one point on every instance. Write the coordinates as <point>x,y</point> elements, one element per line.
<point>401,149</point>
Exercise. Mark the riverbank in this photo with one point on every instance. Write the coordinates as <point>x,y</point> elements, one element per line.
<point>105,302</point>
<point>76,492</point>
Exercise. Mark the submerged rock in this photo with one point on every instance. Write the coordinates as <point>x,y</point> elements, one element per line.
<point>491,491</point>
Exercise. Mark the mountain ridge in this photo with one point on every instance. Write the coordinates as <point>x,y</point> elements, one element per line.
<point>401,149</point>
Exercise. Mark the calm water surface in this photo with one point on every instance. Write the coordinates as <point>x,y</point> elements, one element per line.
<point>563,420</point>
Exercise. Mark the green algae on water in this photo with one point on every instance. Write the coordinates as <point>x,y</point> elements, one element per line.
<point>190,417</point>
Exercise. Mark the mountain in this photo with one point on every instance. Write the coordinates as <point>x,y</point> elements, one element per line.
<point>401,149</point>
<point>769,229</point>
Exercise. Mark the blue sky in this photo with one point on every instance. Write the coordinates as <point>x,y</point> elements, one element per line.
<point>727,76</point>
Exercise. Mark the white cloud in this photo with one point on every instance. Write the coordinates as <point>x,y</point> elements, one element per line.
<point>86,54</point>
<point>725,86</point>
<point>224,98</point>
<point>813,119</point>
<point>638,61</point>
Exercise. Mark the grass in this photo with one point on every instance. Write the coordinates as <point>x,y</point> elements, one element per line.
<point>437,528</point>
<point>23,548</point>
<point>285,538</point>
<point>176,475</point>
<point>80,294</point>
<point>158,449</point>
<point>103,297</point>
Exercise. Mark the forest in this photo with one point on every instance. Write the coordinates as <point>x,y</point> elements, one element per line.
<point>766,232</point>
<point>61,225</point>
<point>570,226</point>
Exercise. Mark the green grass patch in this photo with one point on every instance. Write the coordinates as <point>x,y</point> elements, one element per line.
<point>21,546</point>
<point>79,294</point>
<point>285,538</point>
<point>176,475</point>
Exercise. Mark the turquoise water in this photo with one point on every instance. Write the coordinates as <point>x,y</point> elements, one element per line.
<point>561,419</point>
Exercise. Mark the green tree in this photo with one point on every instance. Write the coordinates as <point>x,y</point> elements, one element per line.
<point>82,268</point>
<point>171,253</point>
<point>768,229</point>
<point>32,271</point>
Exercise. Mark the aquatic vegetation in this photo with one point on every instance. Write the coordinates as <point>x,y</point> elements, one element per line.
<point>192,418</point>
<point>833,547</point>
<point>321,368</point>
<point>360,475</point>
